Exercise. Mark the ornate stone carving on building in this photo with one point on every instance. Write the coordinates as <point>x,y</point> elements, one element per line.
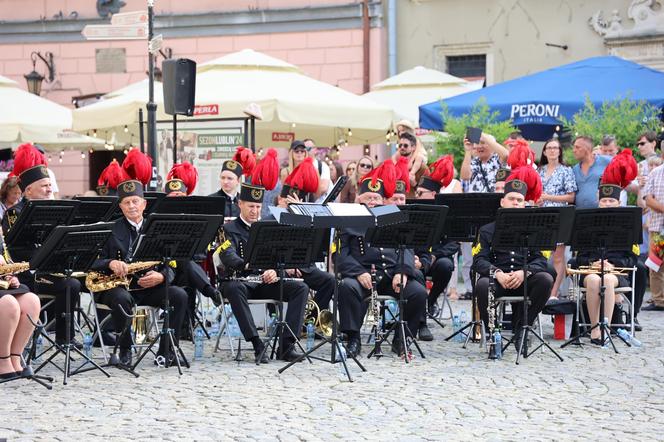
<point>643,42</point>
<point>108,7</point>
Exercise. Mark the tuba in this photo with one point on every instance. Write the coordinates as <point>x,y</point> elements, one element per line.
<point>99,282</point>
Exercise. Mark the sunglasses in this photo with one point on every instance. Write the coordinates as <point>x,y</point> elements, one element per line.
<point>365,165</point>
<point>404,145</point>
<point>299,150</point>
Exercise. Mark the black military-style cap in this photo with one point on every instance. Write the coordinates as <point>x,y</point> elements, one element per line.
<point>517,186</point>
<point>32,175</point>
<point>610,191</point>
<point>376,187</point>
<point>175,185</point>
<point>251,193</point>
<point>130,188</point>
<point>232,166</point>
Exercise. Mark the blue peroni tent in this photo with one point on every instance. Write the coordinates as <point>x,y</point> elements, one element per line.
<point>537,101</point>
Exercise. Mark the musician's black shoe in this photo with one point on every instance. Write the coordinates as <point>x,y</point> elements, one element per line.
<point>216,298</point>
<point>653,308</point>
<point>637,326</point>
<point>125,356</point>
<point>290,355</point>
<point>397,345</point>
<point>258,349</point>
<point>354,347</point>
<point>434,310</point>
<point>72,343</point>
<point>467,296</point>
<point>424,334</point>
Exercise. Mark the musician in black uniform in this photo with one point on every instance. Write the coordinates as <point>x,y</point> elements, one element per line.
<point>145,290</point>
<point>232,254</point>
<point>229,180</point>
<point>36,185</point>
<point>609,196</point>
<point>355,261</point>
<point>506,265</point>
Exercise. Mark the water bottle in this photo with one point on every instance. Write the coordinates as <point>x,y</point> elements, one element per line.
<point>341,358</point>
<point>87,344</point>
<point>39,348</point>
<point>234,327</point>
<point>228,315</point>
<point>215,325</point>
<point>463,318</point>
<point>198,343</point>
<point>456,326</point>
<point>271,324</point>
<point>392,312</point>
<point>629,338</point>
<point>498,342</point>
<point>311,334</point>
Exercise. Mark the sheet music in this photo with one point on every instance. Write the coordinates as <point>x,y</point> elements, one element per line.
<point>349,209</point>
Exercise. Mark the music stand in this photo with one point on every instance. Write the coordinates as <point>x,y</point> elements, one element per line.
<point>168,237</point>
<point>194,205</point>
<point>614,228</point>
<point>360,217</point>
<point>468,212</point>
<point>531,229</point>
<point>94,209</point>
<point>423,228</point>
<point>276,246</point>
<point>67,250</point>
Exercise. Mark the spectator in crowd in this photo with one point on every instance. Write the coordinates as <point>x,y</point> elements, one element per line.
<point>609,146</point>
<point>481,162</point>
<point>299,150</point>
<point>364,166</point>
<point>654,198</point>
<point>351,168</point>
<point>559,188</point>
<point>587,172</point>
<point>336,170</point>
<point>10,194</point>
<point>417,163</point>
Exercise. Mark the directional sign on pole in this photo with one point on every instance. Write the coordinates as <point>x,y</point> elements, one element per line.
<point>155,44</point>
<point>130,18</point>
<point>116,32</point>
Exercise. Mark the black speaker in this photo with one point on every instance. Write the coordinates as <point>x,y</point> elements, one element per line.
<point>179,80</point>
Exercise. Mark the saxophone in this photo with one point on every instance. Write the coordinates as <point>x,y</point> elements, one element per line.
<point>492,314</point>
<point>10,269</point>
<point>99,282</point>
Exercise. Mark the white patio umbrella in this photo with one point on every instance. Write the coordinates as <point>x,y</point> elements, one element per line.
<point>25,117</point>
<point>291,102</point>
<point>406,91</point>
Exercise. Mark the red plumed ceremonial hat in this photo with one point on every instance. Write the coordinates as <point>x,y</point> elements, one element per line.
<point>622,169</point>
<point>247,160</point>
<point>186,173</point>
<point>25,157</point>
<point>528,176</point>
<point>442,170</point>
<point>138,166</point>
<point>266,173</point>
<point>304,177</point>
<point>403,176</point>
<point>387,172</point>
<point>112,175</point>
<point>520,155</point>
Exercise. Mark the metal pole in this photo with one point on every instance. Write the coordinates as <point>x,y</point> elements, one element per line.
<point>141,130</point>
<point>152,106</point>
<point>245,135</point>
<point>175,138</point>
<point>253,134</point>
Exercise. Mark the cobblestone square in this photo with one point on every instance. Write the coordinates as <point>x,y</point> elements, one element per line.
<point>452,394</point>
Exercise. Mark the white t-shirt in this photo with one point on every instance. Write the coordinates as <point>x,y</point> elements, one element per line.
<point>324,175</point>
<point>54,184</point>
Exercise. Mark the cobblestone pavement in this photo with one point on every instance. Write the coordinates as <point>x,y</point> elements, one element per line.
<point>452,394</point>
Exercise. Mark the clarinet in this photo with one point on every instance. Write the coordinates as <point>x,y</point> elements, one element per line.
<point>375,310</point>
<point>492,314</point>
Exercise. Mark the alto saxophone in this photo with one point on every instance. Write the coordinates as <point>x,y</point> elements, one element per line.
<point>99,282</point>
<point>11,269</point>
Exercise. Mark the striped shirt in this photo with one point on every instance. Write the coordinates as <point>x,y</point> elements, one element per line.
<point>655,187</point>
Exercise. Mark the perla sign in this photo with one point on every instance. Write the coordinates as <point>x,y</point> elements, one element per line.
<point>534,113</point>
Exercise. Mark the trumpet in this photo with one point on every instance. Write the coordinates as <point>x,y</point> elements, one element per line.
<point>99,282</point>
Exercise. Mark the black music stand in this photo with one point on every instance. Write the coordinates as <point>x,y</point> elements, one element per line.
<point>194,205</point>
<point>276,246</point>
<point>423,228</point>
<point>165,238</point>
<point>533,229</point>
<point>468,212</point>
<point>94,209</point>
<point>70,249</point>
<point>615,228</point>
<point>360,217</point>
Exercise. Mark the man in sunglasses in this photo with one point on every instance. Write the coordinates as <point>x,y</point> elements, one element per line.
<point>407,148</point>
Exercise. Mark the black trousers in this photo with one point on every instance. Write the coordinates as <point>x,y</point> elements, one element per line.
<point>323,283</point>
<point>120,299</point>
<point>56,286</point>
<point>238,293</point>
<point>640,284</point>
<point>539,289</point>
<point>441,273</point>
<point>352,305</point>
<point>190,274</point>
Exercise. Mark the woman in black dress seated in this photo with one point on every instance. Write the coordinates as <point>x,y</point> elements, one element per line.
<point>16,303</point>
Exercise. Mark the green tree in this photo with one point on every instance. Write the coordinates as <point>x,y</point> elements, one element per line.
<point>623,118</point>
<point>480,115</point>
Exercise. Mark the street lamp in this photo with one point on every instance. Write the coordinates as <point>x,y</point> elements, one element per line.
<point>34,78</point>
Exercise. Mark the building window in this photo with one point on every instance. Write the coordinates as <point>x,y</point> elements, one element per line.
<point>466,66</point>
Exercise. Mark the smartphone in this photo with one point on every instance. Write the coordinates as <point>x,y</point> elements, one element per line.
<point>473,134</point>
